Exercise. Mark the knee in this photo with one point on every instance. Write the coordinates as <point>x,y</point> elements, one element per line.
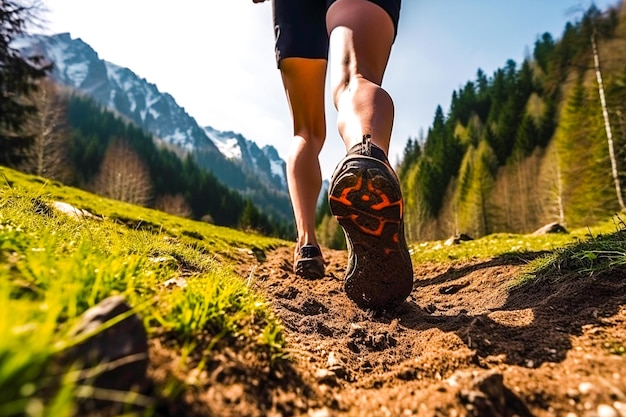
<point>308,142</point>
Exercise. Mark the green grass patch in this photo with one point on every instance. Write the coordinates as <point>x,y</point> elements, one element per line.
<point>595,254</point>
<point>505,244</point>
<point>54,267</point>
<point>586,250</point>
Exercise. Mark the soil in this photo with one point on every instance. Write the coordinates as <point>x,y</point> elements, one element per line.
<point>463,344</point>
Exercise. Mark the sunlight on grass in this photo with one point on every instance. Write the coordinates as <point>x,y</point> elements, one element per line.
<point>54,267</point>
<point>504,244</point>
<point>598,253</point>
<point>583,251</point>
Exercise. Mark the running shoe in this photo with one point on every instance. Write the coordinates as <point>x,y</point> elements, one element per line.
<point>309,263</point>
<point>366,199</point>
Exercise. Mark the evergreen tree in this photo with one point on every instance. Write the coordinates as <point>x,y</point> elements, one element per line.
<point>18,75</point>
<point>542,53</point>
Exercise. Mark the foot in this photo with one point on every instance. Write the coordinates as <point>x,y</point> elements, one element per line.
<point>366,199</point>
<point>308,262</point>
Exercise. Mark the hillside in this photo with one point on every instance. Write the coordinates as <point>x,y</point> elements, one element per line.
<point>502,326</point>
<point>95,131</point>
<point>528,144</point>
<point>257,174</point>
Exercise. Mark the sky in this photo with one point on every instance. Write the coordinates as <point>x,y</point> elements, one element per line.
<point>216,57</point>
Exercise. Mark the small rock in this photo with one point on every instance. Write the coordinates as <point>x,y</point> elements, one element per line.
<point>176,282</point>
<point>322,412</point>
<point>573,394</point>
<point>553,227</point>
<point>113,357</point>
<point>607,411</point>
<point>457,239</point>
<point>332,360</point>
<point>72,211</point>
<point>337,366</point>
<point>585,388</point>
<point>326,377</point>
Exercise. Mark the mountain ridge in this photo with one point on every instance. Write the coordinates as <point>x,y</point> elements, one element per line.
<point>255,172</point>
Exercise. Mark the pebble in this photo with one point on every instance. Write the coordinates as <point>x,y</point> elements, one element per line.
<point>585,387</point>
<point>606,411</point>
<point>332,360</point>
<point>322,412</point>
<point>324,376</point>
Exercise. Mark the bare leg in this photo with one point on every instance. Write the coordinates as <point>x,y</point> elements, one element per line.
<point>304,81</point>
<point>361,36</point>
<point>365,194</point>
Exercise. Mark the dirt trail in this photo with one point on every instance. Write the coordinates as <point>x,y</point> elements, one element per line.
<point>463,344</point>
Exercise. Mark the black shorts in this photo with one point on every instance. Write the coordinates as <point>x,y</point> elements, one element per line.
<point>300,26</point>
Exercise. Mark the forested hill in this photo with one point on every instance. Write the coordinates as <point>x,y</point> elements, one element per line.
<point>526,145</point>
<point>100,141</point>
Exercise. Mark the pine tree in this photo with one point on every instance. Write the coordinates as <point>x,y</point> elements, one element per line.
<point>18,75</point>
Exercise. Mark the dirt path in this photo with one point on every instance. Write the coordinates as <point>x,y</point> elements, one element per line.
<point>462,345</point>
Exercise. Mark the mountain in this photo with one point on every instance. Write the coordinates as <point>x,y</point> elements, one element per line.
<point>236,161</point>
<point>234,146</point>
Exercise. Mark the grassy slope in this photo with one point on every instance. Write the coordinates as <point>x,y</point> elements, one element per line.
<point>53,267</point>
<point>582,250</point>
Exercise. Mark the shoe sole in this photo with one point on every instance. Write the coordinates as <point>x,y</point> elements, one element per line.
<point>368,206</point>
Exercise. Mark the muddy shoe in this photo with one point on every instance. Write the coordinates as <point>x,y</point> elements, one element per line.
<point>366,199</point>
<point>309,263</point>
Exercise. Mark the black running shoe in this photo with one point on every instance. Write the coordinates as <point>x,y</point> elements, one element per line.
<point>309,263</point>
<point>366,199</point>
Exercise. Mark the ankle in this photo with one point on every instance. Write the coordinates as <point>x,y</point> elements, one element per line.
<point>367,148</point>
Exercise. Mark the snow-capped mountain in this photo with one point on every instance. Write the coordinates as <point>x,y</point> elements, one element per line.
<point>237,148</point>
<point>235,160</point>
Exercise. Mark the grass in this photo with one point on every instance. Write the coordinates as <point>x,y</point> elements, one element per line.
<point>54,267</point>
<point>582,251</point>
<point>505,244</point>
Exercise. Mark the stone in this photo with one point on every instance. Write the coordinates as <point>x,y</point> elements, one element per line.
<point>607,411</point>
<point>457,239</point>
<point>111,357</point>
<point>72,211</point>
<point>553,227</point>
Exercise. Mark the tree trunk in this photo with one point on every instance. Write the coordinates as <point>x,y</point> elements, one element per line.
<point>607,124</point>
